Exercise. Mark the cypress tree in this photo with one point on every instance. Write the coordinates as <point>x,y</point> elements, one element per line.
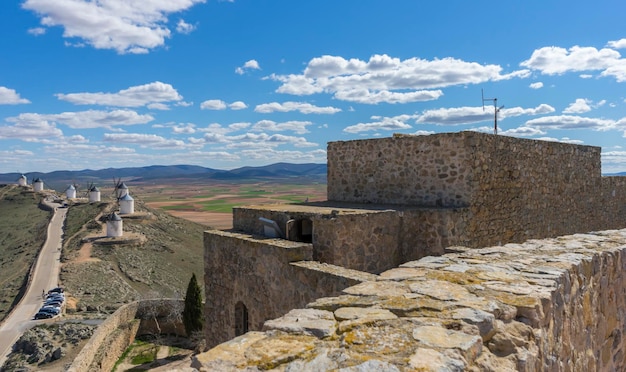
<point>192,313</point>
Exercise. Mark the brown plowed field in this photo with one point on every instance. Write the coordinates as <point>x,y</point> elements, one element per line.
<point>210,203</point>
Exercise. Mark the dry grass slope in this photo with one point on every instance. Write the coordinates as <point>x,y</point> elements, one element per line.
<point>22,233</point>
<point>119,273</point>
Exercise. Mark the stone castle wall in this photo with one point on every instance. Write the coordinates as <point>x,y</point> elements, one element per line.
<point>525,189</point>
<point>546,305</point>
<point>258,272</point>
<point>407,170</point>
<point>515,189</point>
<point>118,331</point>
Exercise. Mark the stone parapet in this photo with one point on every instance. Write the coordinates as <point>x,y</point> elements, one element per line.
<point>555,304</point>
<point>251,279</point>
<point>118,331</point>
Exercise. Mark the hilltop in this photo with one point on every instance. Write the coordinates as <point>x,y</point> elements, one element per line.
<point>97,277</point>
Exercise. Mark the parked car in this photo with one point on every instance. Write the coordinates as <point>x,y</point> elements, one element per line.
<point>43,315</point>
<point>56,290</point>
<point>51,310</point>
<point>54,303</point>
<point>55,296</point>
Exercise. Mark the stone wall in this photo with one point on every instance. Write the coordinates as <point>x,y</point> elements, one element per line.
<point>118,331</point>
<point>409,170</point>
<point>515,189</point>
<point>556,304</point>
<point>525,189</point>
<point>258,273</point>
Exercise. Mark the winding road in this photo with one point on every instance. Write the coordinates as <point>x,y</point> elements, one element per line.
<point>45,277</point>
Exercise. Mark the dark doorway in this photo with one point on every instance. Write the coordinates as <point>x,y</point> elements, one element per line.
<point>241,319</point>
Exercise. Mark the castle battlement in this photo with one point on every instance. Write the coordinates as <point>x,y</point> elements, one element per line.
<point>398,199</point>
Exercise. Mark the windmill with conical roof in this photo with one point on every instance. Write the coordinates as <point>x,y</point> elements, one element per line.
<point>38,185</point>
<point>71,190</point>
<point>93,193</point>
<point>22,181</point>
<point>114,225</point>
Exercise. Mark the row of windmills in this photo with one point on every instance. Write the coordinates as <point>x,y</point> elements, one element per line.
<point>126,202</point>
<point>38,184</point>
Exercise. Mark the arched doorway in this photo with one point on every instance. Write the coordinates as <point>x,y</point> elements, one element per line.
<point>241,319</point>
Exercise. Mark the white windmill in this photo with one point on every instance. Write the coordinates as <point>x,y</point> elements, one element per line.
<point>94,193</point>
<point>127,204</point>
<point>22,181</point>
<point>38,185</point>
<point>114,225</point>
<point>119,188</point>
<point>70,192</point>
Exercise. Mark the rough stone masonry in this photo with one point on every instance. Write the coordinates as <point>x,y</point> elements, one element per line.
<point>401,199</point>
<point>556,304</point>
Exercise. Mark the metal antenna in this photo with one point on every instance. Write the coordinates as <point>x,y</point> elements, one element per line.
<point>496,109</point>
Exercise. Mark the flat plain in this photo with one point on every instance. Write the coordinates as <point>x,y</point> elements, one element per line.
<point>210,202</point>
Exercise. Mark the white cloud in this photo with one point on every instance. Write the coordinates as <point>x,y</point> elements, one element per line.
<point>141,95</point>
<point>423,132</point>
<point>617,70</point>
<point>30,128</point>
<point>537,85</point>
<point>272,155</point>
<point>213,104</point>
<point>368,97</point>
<point>158,106</point>
<point>305,108</point>
<point>522,131</point>
<point>386,79</point>
<point>255,140</point>
<point>556,60</point>
<point>144,140</point>
<point>184,129</point>
<point>469,115</point>
<point>124,26</point>
<point>218,104</point>
<point>36,31</point>
<point>250,65</point>
<point>10,97</point>
<point>580,106</point>
<point>249,140</point>
<point>381,123</point>
<point>519,111</point>
<point>585,76</point>
<point>571,122</point>
<point>237,105</point>
<point>238,126</point>
<point>455,116</point>
<point>183,27</point>
<point>298,127</point>
<point>77,139</point>
<point>617,44</point>
<point>85,119</point>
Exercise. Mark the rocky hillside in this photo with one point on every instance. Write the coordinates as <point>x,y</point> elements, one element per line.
<point>155,258</point>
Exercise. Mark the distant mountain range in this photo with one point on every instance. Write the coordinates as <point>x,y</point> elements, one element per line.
<point>59,180</point>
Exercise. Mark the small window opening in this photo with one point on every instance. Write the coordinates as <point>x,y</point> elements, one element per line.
<point>300,230</point>
<point>241,319</point>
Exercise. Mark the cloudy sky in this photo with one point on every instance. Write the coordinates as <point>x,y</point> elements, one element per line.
<point>223,84</point>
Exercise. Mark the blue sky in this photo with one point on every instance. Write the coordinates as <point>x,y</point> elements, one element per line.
<point>223,84</point>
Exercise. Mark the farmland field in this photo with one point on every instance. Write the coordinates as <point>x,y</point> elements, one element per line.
<point>210,202</point>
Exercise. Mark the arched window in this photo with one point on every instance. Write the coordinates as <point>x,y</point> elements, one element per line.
<point>241,319</point>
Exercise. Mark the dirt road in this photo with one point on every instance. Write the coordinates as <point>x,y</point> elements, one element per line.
<point>45,277</point>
